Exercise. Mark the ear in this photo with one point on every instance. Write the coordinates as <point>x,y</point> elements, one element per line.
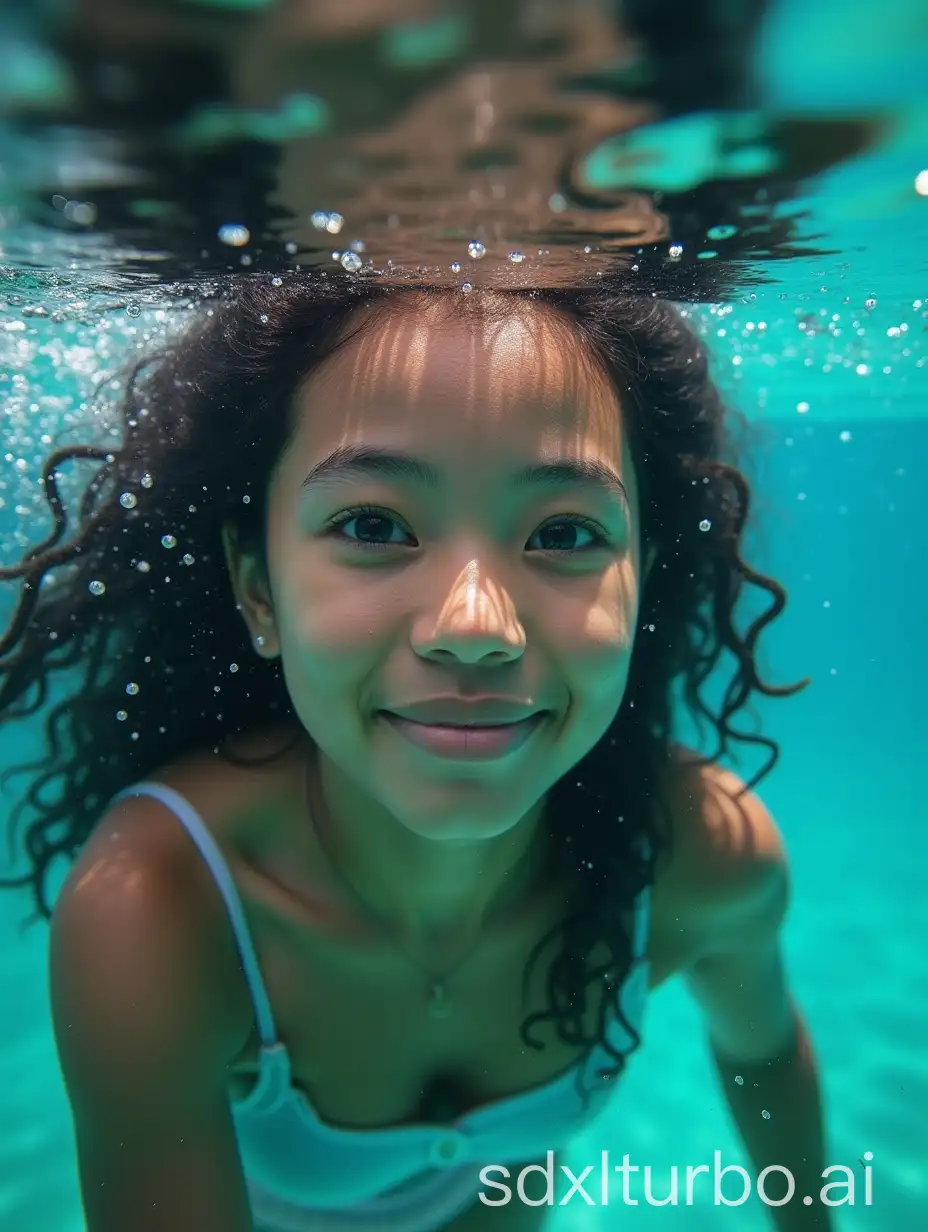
<point>252,594</point>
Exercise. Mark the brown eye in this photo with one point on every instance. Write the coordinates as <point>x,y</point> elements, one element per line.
<point>569,535</point>
<point>370,528</point>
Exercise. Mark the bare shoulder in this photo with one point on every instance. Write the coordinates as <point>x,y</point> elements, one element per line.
<point>719,826</point>
<point>139,921</point>
<point>728,860</point>
<point>141,886</point>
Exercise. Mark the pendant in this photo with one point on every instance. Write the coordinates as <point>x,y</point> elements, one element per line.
<point>438,1003</point>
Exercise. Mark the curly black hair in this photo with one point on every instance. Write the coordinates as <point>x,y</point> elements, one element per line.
<point>203,422</point>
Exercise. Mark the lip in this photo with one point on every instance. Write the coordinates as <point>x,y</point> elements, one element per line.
<point>465,741</point>
<point>483,711</point>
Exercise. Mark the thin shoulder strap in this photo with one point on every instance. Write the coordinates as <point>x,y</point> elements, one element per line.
<point>209,849</point>
<point>642,925</point>
<point>642,920</point>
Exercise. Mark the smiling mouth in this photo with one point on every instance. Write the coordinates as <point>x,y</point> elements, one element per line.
<point>470,741</point>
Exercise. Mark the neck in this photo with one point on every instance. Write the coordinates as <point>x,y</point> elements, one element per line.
<point>425,890</point>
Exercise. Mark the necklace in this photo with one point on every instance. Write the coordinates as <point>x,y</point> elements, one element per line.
<point>437,1004</point>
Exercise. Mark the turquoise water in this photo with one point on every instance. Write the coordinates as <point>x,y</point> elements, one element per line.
<point>828,364</point>
<point>840,500</point>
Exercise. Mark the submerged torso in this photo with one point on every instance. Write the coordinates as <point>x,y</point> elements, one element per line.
<point>357,1069</point>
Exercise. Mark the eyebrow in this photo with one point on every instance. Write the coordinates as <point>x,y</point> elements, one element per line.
<point>366,461</point>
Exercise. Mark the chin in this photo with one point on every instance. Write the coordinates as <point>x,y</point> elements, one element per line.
<point>471,811</point>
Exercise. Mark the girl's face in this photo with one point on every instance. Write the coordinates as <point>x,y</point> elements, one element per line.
<point>453,541</point>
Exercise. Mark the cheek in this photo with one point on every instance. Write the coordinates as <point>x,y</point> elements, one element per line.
<point>599,625</point>
<point>596,638</point>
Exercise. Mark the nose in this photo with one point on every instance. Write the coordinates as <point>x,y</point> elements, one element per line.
<point>477,623</point>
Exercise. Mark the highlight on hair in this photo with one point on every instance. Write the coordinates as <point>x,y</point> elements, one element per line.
<point>141,594</point>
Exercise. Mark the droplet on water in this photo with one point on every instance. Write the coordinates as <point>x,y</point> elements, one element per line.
<point>475,249</point>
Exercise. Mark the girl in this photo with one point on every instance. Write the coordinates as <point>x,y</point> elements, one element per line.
<point>381,834</point>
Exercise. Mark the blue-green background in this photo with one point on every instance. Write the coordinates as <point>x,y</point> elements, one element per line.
<point>840,519</point>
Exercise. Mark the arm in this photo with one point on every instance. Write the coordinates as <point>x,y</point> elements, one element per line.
<point>143,1040</point>
<point>755,1030</point>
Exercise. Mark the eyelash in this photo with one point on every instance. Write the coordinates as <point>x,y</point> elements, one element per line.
<point>335,524</point>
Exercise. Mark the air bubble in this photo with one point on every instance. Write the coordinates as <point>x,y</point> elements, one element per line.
<point>739,1080</point>
<point>870,303</point>
<point>233,667</point>
<point>467,287</point>
<point>455,267</point>
<point>132,688</point>
<point>188,559</point>
<point>802,408</point>
<point>765,1114</point>
<point>168,541</point>
<point>676,251</point>
<point>350,261</point>
<point>236,235</point>
<point>517,257</point>
<point>147,481</point>
<point>133,310</point>
<point>122,715</point>
<point>143,566</point>
<point>97,588</point>
<point>705,524</point>
<point>128,500</point>
<point>475,249</point>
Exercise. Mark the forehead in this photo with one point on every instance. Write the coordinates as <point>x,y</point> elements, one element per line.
<point>519,380</point>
